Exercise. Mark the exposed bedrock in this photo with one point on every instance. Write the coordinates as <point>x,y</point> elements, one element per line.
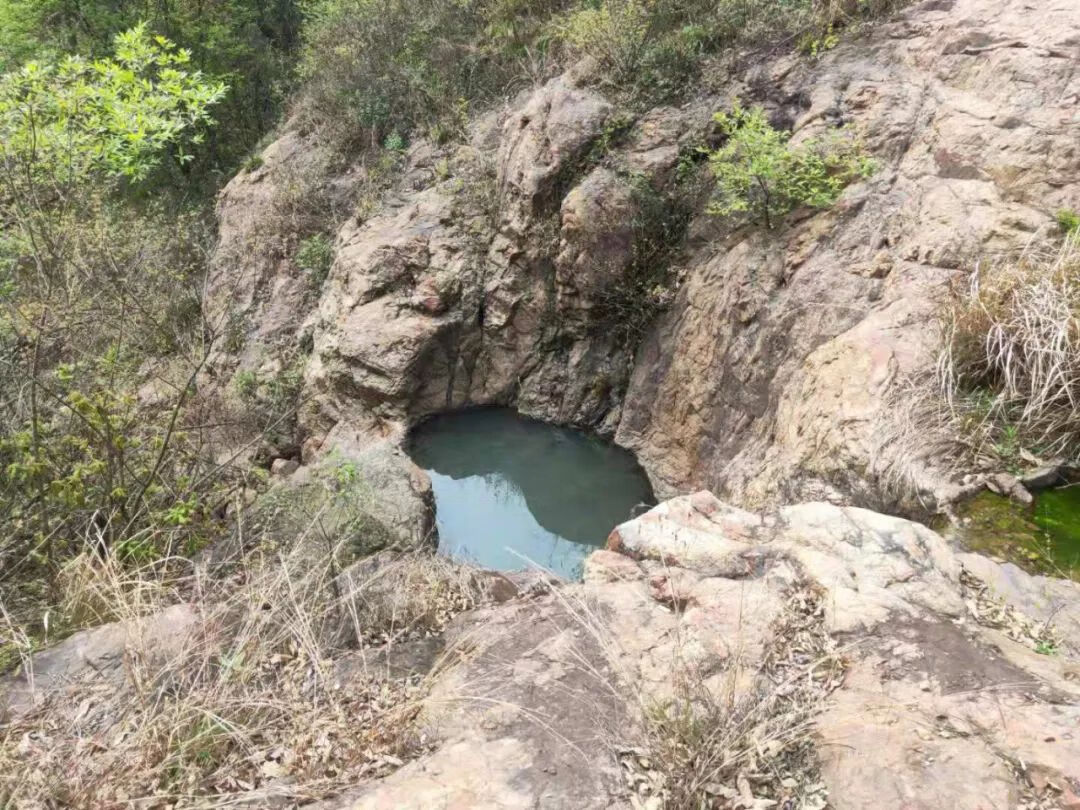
<point>875,668</point>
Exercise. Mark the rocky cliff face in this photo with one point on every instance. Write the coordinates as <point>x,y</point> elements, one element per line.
<point>773,374</point>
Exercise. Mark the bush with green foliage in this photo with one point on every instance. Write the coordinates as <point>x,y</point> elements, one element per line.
<point>101,337</point>
<point>315,256</point>
<point>760,174</point>
<point>1068,220</point>
<point>249,44</point>
<point>109,119</point>
<point>373,68</point>
<point>616,32</point>
<point>655,48</point>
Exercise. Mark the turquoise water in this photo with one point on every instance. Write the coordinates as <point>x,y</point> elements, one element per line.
<point>513,493</point>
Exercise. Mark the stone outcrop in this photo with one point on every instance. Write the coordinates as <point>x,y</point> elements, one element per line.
<point>774,374</point>
<point>890,671</point>
<point>942,702</point>
<point>773,377</point>
<point>442,302</point>
<point>102,656</point>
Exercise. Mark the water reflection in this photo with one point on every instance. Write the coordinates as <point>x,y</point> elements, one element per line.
<point>510,490</point>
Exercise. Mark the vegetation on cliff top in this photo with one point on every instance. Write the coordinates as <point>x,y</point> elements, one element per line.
<point>376,69</point>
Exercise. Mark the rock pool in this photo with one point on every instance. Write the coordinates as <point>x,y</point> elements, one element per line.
<point>513,493</point>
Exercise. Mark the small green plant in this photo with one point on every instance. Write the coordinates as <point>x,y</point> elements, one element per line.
<point>395,142</point>
<point>246,384</point>
<point>615,128</point>
<point>234,335</point>
<point>816,43</point>
<point>615,32</point>
<point>315,256</point>
<point>759,173</point>
<point>1009,448</point>
<point>1068,220</point>
<point>345,473</point>
<point>1046,648</point>
<point>253,163</point>
<point>65,122</point>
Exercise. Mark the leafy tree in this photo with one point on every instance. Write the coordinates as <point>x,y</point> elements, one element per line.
<point>247,43</point>
<point>89,288</point>
<point>759,173</point>
<point>82,120</point>
<point>80,124</point>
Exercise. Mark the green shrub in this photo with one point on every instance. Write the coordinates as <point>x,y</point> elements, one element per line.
<point>652,48</point>
<point>760,174</point>
<point>246,384</point>
<point>270,401</point>
<point>315,256</point>
<point>671,64</point>
<point>1068,220</point>
<point>373,68</point>
<point>615,32</point>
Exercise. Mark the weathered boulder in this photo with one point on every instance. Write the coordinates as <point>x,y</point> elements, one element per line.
<point>874,566</point>
<point>540,143</point>
<point>102,657</point>
<point>369,496</point>
<point>597,243</point>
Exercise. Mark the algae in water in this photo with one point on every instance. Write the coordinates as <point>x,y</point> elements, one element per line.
<point>1044,539</point>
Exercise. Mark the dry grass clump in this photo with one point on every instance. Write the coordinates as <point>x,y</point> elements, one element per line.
<point>1009,367</point>
<point>411,599</point>
<point>246,706</point>
<point>703,750</point>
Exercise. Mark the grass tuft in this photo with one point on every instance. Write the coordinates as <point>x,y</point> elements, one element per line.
<point>250,703</point>
<point>1009,367</point>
